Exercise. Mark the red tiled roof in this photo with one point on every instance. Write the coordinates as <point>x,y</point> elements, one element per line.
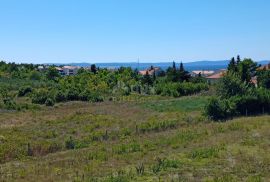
<point>150,71</point>
<point>265,67</point>
<point>217,75</point>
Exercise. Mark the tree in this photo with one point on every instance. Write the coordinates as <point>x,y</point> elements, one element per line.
<point>183,75</point>
<point>93,68</point>
<point>232,65</point>
<point>247,69</point>
<point>52,73</point>
<point>35,75</point>
<point>81,71</point>
<point>174,66</point>
<point>238,60</point>
<point>263,78</point>
<point>218,109</point>
<point>231,85</point>
<point>154,75</point>
<point>147,79</point>
<point>172,73</point>
<point>181,67</point>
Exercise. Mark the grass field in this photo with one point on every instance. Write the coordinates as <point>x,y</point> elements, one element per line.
<point>158,140</point>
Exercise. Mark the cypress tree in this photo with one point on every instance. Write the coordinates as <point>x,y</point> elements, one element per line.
<point>238,60</point>
<point>232,65</point>
<point>181,67</point>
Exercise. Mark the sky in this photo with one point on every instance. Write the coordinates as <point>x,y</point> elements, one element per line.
<point>93,31</point>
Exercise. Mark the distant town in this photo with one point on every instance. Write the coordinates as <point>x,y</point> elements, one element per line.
<point>212,76</point>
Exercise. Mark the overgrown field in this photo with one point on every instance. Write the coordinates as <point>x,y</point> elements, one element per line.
<point>158,140</point>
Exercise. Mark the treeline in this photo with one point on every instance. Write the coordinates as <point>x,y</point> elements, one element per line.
<point>243,91</point>
<point>49,87</point>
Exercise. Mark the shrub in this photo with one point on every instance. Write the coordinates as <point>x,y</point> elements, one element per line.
<point>9,104</point>
<point>49,102</point>
<point>180,89</point>
<point>163,164</point>
<point>73,94</point>
<point>24,90</point>
<point>40,96</point>
<point>96,98</point>
<point>85,95</point>
<point>218,109</point>
<point>70,143</point>
<point>60,96</point>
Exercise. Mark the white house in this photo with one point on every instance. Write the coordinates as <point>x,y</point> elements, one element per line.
<point>202,72</point>
<point>70,70</point>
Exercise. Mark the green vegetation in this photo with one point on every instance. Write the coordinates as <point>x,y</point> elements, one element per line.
<point>237,95</point>
<point>47,87</point>
<point>117,126</point>
<point>114,141</point>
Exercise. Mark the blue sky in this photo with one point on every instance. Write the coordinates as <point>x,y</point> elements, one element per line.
<point>125,30</point>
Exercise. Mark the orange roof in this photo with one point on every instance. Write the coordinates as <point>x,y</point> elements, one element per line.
<point>216,76</point>
<point>150,71</point>
<point>264,67</point>
<point>143,72</point>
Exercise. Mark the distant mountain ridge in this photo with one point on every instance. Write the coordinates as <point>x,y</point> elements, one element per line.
<point>190,66</point>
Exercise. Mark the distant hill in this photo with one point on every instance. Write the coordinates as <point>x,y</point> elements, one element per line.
<point>190,66</point>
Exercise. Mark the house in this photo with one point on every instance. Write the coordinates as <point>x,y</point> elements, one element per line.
<point>264,67</point>
<point>60,71</point>
<point>151,71</point>
<point>214,78</point>
<point>202,72</point>
<point>254,81</point>
<point>70,70</point>
<point>42,67</point>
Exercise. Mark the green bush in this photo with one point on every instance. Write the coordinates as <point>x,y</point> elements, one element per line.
<point>9,104</point>
<point>49,102</point>
<point>60,96</point>
<point>218,109</point>
<point>40,96</point>
<point>73,94</point>
<point>252,103</point>
<point>24,90</point>
<point>70,143</point>
<point>180,89</point>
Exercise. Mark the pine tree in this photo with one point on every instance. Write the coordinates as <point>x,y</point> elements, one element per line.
<point>183,75</point>
<point>232,65</point>
<point>238,60</point>
<point>181,67</point>
<point>174,67</point>
<point>154,75</point>
<point>93,68</point>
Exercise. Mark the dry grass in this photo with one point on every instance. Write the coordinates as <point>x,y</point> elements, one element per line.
<point>110,147</point>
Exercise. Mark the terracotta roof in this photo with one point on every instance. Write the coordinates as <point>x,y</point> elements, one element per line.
<point>264,67</point>
<point>217,75</point>
<point>143,72</point>
<point>150,71</point>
